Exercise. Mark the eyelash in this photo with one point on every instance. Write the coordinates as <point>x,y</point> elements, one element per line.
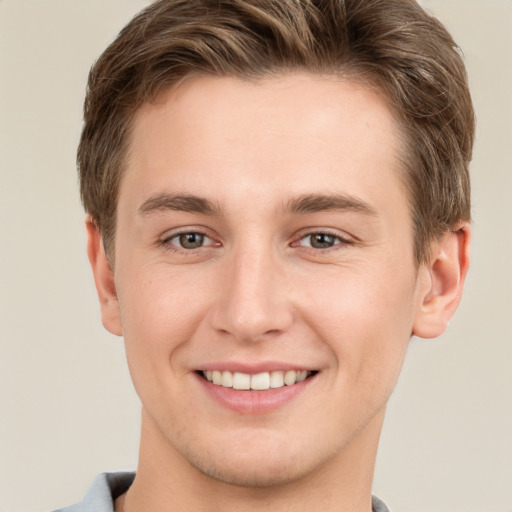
<point>337,239</point>
<point>177,247</point>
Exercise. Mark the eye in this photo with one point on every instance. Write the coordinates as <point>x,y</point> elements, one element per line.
<point>321,241</point>
<point>190,240</point>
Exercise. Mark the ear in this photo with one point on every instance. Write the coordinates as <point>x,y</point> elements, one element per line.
<point>104,279</point>
<point>442,281</point>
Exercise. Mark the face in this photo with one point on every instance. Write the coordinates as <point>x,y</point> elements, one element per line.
<point>264,238</point>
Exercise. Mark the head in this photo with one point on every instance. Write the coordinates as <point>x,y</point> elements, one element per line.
<point>392,45</point>
<point>279,186</point>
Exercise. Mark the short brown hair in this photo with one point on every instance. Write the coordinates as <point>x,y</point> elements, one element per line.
<point>391,44</point>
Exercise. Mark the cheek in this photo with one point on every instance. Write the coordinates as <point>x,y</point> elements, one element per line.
<point>159,315</point>
<point>159,301</point>
<point>160,312</point>
<point>365,319</point>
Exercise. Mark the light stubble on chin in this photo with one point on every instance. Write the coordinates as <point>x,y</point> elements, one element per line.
<point>243,471</point>
<point>271,468</point>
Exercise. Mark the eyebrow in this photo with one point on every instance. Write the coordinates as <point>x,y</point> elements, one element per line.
<point>180,203</point>
<point>304,204</point>
<point>313,203</point>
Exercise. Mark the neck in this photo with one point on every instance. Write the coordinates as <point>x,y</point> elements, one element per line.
<point>166,482</point>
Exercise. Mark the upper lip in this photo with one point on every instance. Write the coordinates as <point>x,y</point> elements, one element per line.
<point>255,367</point>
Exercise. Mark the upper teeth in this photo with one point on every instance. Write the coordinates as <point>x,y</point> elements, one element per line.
<point>258,381</point>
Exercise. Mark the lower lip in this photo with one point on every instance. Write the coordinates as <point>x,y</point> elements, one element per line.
<point>254,402</point>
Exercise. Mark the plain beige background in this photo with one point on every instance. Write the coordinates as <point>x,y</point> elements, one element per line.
<point>67,407</point>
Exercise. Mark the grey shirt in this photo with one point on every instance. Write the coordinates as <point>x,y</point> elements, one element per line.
<point>108,486</point>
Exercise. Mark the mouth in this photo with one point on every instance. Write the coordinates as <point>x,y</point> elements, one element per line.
<point>257,388</point>
<point>256,382</point>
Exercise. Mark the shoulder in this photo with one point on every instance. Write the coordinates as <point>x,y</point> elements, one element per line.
<point>378,505</point>
<point>102,493</point>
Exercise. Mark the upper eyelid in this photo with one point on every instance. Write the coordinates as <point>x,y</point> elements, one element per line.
<point>173,233</point>
<point>297,237</point>
<point>326,232</point>
<point>166,241</point>
<point>340,241</point>
<point>342,235</point>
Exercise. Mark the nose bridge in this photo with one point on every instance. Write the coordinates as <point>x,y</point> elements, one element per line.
<point>254,301</point>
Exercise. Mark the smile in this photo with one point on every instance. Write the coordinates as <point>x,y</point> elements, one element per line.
<point>256,382</point>
<point>249,390</point>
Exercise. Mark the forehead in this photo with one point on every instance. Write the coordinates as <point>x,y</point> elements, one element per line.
<point>288,133</point>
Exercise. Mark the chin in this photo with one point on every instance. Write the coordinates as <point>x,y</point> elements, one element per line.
<point>250,473</point>
<point>244,463</point>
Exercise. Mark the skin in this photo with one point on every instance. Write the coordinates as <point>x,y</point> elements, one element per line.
<point>257,290</point>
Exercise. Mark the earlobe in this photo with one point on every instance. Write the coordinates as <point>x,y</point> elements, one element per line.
<point>103,278</point>
<point>442,282</point>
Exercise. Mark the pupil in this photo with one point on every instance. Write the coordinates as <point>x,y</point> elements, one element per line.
<point>191,240</point>
<point>321,241</point>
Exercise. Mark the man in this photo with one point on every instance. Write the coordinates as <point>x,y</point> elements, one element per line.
<point>278,199</point>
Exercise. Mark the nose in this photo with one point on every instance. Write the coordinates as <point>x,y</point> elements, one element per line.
<point>254,302</point>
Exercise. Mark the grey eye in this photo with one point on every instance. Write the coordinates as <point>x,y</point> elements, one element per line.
<point>322,240</point>
<point>191,240</point>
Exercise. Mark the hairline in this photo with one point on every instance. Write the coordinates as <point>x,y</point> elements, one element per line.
<point>348,74</point>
